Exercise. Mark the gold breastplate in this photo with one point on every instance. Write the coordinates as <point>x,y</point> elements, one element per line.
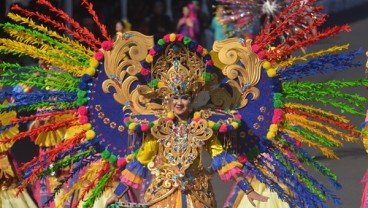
<point>180,146</point>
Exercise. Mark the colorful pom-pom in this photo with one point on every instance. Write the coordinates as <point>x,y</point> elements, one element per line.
<point>197,115</point>
<point>207,76</point>
<point>151,124</point>
<point>113,159</point>
<point>130,157</point>
<point>216,126</point>
<point>160,84</point>
<point>87,126</point>
<point>256,48</point>
<point>132,126</point>
<point>273,128</point>
<point>107,45</point>
<point>172,37</point>
<point>196,119</point>
<point>242,158</point>
<point>99,56</point>
<point>187,40</point>
<point>126,119</point>
<point>121,162</point>
<point>211,124</point>
<point>83,119</point>
<point>271,72</point>
<point>105,154</point>
<point>235,125</point>
<point>266,65</point>
<point>128,123</point>
<point>270,135</point>
<point>238,116</point>
<point>149,58</point>
<point>167,38</point>
<point>161,42</point>
<point>145,71</point>
<point>170,115</point>
<point>82,110</point>
<point>152,52</point>
<point>179,37</point>
<point>93,63</point>
<point>209,62</point>
<point>223,128</point>
<point>90,134</point>
<point>261,55</point>
<point>204,52</point>
<point>90,71</point>
<point>144,127</point>
<point>199,49</point>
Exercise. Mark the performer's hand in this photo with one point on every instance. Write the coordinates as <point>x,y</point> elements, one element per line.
<point>111,200</point>
<point>256,196</point>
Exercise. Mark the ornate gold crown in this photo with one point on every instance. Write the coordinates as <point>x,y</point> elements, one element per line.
<point>177,65</point>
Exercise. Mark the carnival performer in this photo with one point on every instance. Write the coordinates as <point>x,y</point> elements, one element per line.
<point>130,101</point>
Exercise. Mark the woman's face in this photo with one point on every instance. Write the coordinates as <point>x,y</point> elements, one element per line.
<point>119,27</point>
<point>185,11</point>
<point>181,106</point>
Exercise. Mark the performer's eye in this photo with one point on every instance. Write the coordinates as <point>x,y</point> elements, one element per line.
<point>175,97</point>
<point>185,97</point>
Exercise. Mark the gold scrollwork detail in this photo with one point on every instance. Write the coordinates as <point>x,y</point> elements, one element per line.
<point>122,64</point>
<point>242,67</point>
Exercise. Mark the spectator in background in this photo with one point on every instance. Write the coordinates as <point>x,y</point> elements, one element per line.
<point>123,26</point>
<point>188,25</point>
<point>216,26</point>
<point>159,24</point>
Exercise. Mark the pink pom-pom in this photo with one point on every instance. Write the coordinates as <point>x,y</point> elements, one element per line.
<point>199,49</point>
<point>99,56</point>
<point>82,111</point>
<point>121,162</point>
<point>261,55</point>
<point>210,62</point>
<point>107,45</point>
<point>256,48</point>
<point>167,38</point>
<point>144,127</point>
<point>152,52</point>
<point>179,37</point>
<point>168,119</point>
<point>144,71</point>
<point>83,119</point>
<point>196,119</point>
<point>242,159</point>
<point>238,116</point>
<point>223,128</point>
<point>126,119</point>
<point>277,115</point>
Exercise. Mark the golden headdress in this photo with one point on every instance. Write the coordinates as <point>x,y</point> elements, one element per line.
<point>176,65</point>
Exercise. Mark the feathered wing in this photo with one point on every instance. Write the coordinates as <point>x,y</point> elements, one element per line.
<point>81,91</point>
<point>262,83</point>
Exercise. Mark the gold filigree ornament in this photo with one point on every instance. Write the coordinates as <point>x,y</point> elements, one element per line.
<point>243,68</point>
<point>122,67</point>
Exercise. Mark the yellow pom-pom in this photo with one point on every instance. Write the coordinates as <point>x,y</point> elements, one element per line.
<point>86,126</point>
<point>47,88</point>
<point>170,115</point>
<point>204,52</point>
<point>93,63</point>
<point>132,126</point>
<point>273,128</point>
<point>129,157</point>
<point>235,125</point>
<point>149,58</point>
<point>160,84</point>
<point>266,65</point>
<point>210,124</point>
<point>90,134</point>
<point>90,71</point>
<point>172,37</point>
<point>196,115</point>
<point>270,135</point>
<point>155,122</point>
<point>271,72</point>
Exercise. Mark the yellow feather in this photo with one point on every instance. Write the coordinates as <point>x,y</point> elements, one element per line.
<point>326,151</point>
<point>307,108</point>
<point>292,60</point>
<point>75,45</point>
